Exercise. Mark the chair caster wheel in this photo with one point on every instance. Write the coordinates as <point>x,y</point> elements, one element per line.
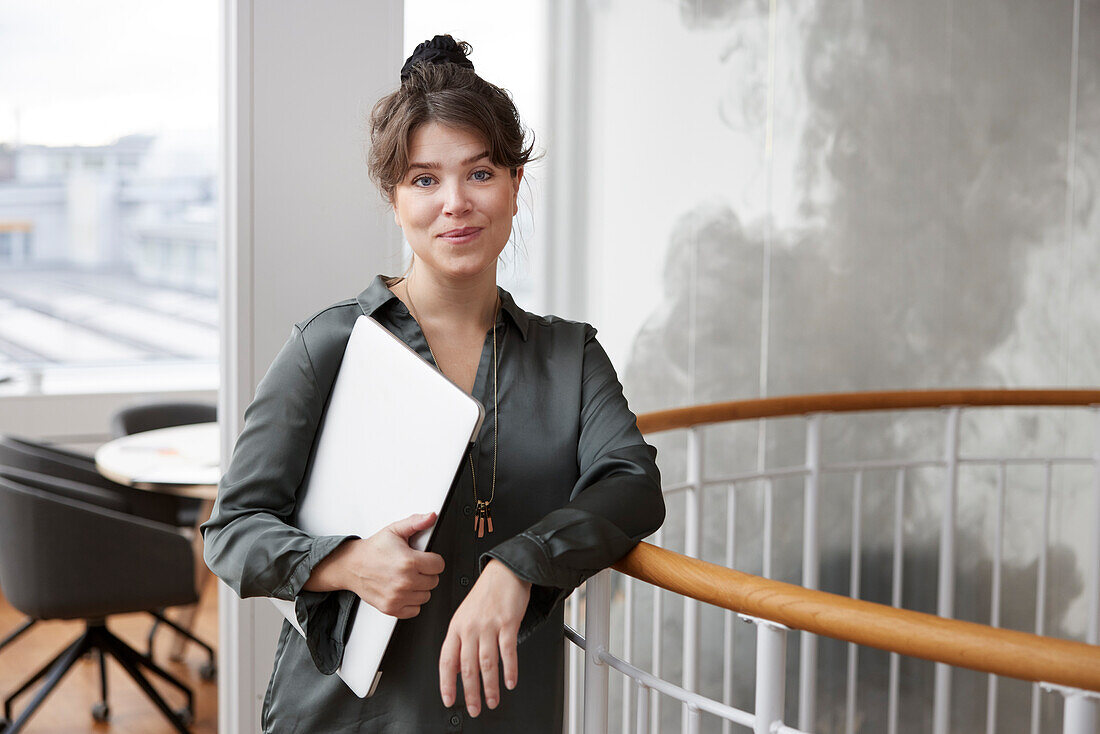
<point>101,712</point>
<point>186,715</point>
<point>208,671</point>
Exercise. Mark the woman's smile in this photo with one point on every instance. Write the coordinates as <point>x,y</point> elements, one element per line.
<point>461,236</point>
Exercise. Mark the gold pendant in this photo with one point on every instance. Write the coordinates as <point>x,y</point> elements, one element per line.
<point>483,519</point>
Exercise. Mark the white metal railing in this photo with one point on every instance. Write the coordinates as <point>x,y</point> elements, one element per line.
<point>641,691</point>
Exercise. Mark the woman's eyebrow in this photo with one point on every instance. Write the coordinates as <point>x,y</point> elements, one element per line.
<point>431,165</point>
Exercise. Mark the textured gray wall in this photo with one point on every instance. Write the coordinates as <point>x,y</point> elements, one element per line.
<point>810,197</point>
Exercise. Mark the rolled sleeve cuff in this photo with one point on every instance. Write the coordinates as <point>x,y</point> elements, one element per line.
<point>324,616</point>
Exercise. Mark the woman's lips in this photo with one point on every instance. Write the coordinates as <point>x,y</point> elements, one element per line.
<point>461,236</point>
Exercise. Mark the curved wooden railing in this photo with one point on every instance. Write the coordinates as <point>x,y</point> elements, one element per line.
<point>788,405</point>
<point>963,644</point>
<point>1071,667</point>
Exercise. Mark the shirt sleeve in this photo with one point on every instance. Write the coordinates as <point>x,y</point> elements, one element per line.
<point>248,541</point>
<point>616,501</point>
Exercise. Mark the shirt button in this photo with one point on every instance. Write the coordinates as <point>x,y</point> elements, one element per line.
<point>464,581</point>
<point>467,510</point>
<point>455,721</point>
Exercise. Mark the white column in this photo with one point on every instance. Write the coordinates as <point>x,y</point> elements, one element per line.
<point>597,637</point>
<point>771,657</point>
<point>807,654</point>
<point>565,255</point>
<point>693,533</point>
<point>945,604</point>
<point>302,226</point>
<point>1079,714</point>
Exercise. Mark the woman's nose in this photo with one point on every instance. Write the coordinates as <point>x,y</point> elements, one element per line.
<point>456,199</point>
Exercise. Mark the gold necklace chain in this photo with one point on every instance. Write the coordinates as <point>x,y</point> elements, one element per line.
<point>483,518</point>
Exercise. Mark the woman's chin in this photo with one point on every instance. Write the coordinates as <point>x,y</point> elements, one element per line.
<point>461,268</point>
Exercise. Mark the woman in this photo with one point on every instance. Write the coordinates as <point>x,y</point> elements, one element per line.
<point>560,483</point>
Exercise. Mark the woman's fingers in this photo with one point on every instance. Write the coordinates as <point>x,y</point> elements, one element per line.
<point>429,563</point>
<point>487,656</point>
<point>509,656</point>
<point>448,669</point>
<point>421,582</point>
<point>471,673</point>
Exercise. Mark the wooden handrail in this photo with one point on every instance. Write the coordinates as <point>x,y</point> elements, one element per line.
<point>963,644</point>
<point>665,420</point>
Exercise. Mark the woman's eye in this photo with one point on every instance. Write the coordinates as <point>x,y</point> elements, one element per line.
<point>422,181</point>
<point>481,175</point>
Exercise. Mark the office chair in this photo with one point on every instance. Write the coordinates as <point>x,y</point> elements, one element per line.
<point>21,453</point>
<point>148,417</point>
<point>94,495</point>
<point>54,469</point>
<point>64,558</point>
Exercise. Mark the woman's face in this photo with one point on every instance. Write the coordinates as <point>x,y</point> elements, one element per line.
<point>453,204</point>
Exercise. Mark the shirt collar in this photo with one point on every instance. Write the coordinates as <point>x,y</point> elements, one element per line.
<point>378,294</point>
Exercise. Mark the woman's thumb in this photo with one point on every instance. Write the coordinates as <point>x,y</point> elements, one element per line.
<point>413,524</point>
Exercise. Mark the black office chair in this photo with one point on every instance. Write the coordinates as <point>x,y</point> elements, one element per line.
<point>21,453</point>
<point>56,451</point>
<point>47,467</point>
<point>63,558</point>
<point>150,416</point>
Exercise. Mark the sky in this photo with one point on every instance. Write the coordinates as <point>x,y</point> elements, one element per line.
<point>74,72</point>
<point>84,73</point>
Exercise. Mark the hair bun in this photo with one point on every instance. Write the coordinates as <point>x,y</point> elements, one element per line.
<point>440,50</point>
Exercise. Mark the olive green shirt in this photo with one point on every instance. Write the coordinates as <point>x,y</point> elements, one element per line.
<point>576,488</point>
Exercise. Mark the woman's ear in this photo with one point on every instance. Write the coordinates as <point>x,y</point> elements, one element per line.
<point>393,207</point>
<point>516,179</point>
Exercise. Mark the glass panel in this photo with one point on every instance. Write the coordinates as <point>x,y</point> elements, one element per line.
<point>108,201</point>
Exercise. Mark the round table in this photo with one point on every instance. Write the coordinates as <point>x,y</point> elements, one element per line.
<point>181,460</point>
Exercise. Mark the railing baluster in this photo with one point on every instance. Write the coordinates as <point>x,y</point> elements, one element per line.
<point>643,709</point>
<point>895,598</point>
<point>1093,632</point>
<point>771,657</point>
<point>807,668</point>
<point>727,615</point>
<point>692,536</point>
<point>995,596</point>
<point>597,623</point>
<point>1041,586</point>
<point>574,665</point>
<point>628,644</point>
<point>1079,713</point>
<point>945,602</point>
<point>692,719</point>
<point>853,591</point>
<point>655,710</point>
<point>769,527</point>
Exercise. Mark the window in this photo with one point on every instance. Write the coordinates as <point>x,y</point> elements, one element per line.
<point>108,200</point>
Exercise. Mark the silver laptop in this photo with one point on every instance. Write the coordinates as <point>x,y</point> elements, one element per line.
<point>392,440</point>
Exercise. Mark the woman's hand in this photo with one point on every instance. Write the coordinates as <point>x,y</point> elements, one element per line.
<point>482,633</point>
<point>383,570</point>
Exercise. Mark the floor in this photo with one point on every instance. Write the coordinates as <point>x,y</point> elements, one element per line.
<point>68,709</point>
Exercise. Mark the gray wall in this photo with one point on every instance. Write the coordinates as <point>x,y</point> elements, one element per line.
<point>303,226</point>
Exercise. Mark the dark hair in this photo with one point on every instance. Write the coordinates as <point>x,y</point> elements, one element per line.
<point>449,94</point>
